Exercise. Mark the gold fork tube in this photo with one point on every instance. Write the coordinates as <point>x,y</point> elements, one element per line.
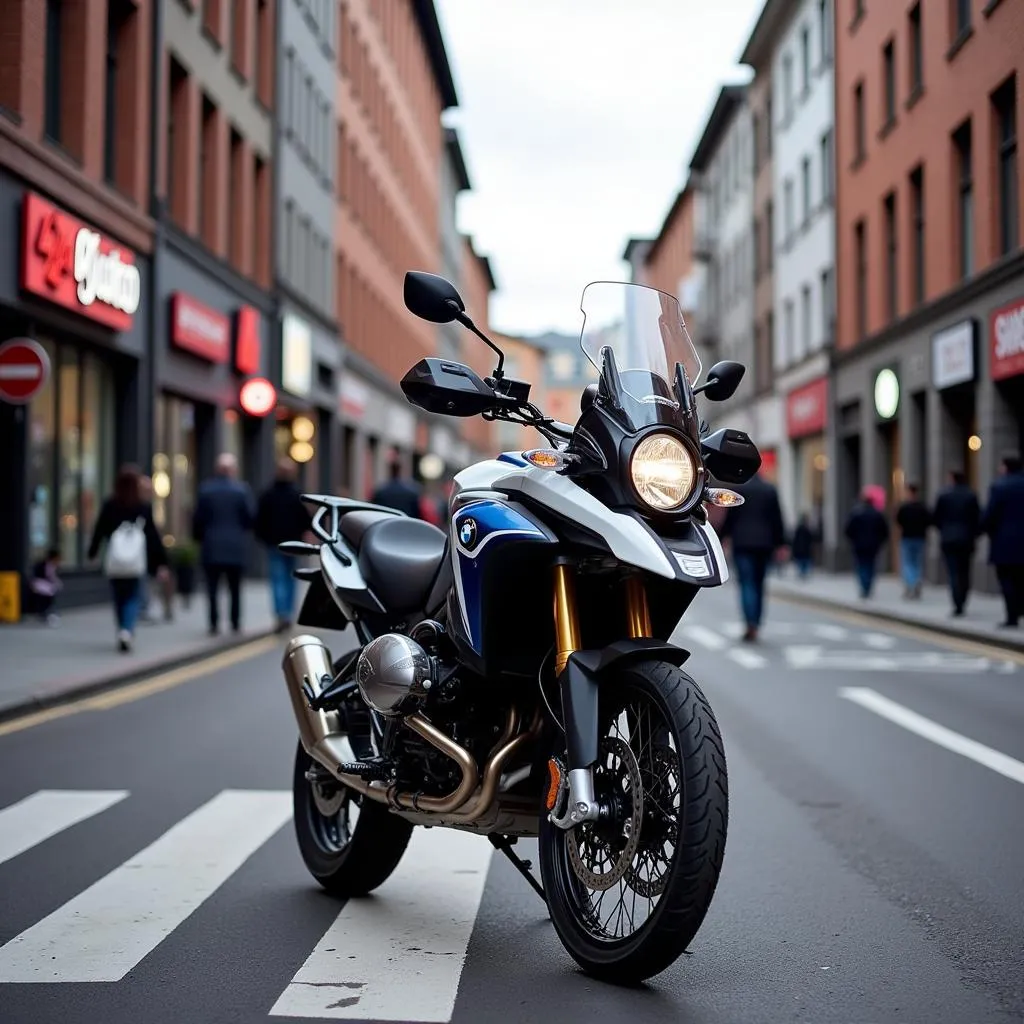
<point>637,611</point>
<point>567,626</point>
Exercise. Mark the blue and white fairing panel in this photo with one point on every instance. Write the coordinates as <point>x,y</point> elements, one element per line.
<point>479,528</point>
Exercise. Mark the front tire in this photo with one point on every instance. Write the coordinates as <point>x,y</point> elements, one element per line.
<point>349,843</point>
<point>664,780</point>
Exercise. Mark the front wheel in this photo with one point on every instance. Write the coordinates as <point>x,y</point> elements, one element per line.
<point>628,893</point>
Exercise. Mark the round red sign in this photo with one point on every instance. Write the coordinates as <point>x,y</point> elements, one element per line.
<point>258,396</point>
<point>24,369</point>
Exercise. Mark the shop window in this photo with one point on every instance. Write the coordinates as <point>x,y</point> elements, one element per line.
<point>175,474</point>
<point>42,463</point>
<point>54,76</point>
<point>965,198</point>
<point>917,231</point>
<point>1004,103</point>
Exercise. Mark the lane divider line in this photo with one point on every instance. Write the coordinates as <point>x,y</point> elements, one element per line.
<point>997,761</point>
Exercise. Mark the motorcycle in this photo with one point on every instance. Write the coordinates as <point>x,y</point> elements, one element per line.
<point>514,675</point>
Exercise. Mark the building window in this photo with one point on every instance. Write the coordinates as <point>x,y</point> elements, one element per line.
<point>118,14</point>
<point>787,88</point>
<point>207,190</point>
<point>787,209</point>
<point>860,290</point>
<point>805,316</point>
<point>756,129</point>
<point>859,124</point>
<point>178,170</point>
<point>1004,102</point>
<point>889,83</point>
<point>961,18</point>
<point>757,249</point>
<point>805,59</point>
<point>916,49</point>
<point>891,262</point>
<point>917,231</point>
<point>54,76</point>
<point>827,308</point>
<point>965,198</point>
<point>805,188</point>
<point>237,163</point>
<point>764,364</point>
<point>769,128</point>
<point>769,230</point>
<point>788,340</point>
<point>825,31</point>
<point>826,167</point>
<point>260,225</point>
<point>264,54</point>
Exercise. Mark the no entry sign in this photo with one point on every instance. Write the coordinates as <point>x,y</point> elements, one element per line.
<point>24,369</point>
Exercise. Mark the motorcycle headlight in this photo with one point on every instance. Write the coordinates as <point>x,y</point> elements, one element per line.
<point>663,472</point>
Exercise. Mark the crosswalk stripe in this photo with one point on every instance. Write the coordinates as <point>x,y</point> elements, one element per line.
<point>38,817</point>
<point>705,637</point>
<point>399,955</point>
<point>107,929</point>
<point>748,658</point>
<point>829,632</point>
<point>880,641</point>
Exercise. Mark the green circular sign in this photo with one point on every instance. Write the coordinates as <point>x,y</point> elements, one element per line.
<point>887,394</point>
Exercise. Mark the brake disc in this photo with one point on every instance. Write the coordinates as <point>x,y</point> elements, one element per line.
<point>665,765</point>
<point>587,837</point>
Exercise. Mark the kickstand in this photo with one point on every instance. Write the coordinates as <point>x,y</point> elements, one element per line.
<point>504,844</point>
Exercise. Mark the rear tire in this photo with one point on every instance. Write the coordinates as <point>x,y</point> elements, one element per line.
<point>694,824</point>
<point>347,855</point>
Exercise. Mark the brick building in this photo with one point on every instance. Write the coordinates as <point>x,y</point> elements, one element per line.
<point>929,372</point>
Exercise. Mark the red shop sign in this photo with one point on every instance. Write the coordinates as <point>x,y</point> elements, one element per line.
<point>200,330</point>
<point>70,264</point>
<point>1006,331</point>
<point>807,409</point>
<point>247,340</point>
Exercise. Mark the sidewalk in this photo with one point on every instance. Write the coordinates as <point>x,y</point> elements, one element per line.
<point>40,665</point>
<point>933,610</point>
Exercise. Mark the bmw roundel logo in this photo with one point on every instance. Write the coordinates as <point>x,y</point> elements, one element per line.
<point>467,532</point>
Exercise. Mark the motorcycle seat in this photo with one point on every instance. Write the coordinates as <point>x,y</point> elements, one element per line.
<point>354,525</point>
<point>400,559</point>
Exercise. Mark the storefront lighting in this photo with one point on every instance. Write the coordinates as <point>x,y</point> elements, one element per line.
<point>257,396</point>
<point>887,394</point>
<point>821,462</point>
<point>161,484</point>
<point>974,443</point>
<point>301,451</point>
<point>303,429</point>
<point>431,466</point>
<point>181,463</point>
<point>161,463</point>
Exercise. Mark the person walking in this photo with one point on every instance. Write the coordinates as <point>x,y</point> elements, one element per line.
<point>399,493</point>
<point>1004,524</point>
<point>221,524</point>
<point>957,517</point>
<point>867,531</point>
<point>281,516</point>
<point>913,519</point>
<point>133,550</point>
<point>756,532</point>
<point>802,548</point>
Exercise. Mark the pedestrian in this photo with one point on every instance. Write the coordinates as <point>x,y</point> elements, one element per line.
<point>46,584</point>
<point>1004,524</point>
<point>756,532</point>
<point>133,550</point>
<point>146,496</point>
<point>281,516</point>
<point>802,548</point>
<point>399,493</point>
<point>957,517</point>
<point>221,524</point>
<point>867,532</point>
<point>913,519</point>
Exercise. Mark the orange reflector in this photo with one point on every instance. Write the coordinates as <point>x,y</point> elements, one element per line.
<point>556,781</point>
<point>543,458</point>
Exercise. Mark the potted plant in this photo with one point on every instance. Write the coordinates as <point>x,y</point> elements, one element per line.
<point>184,557</point>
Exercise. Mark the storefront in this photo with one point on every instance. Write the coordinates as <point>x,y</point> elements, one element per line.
<point>212,337</point>
<point>954,380</point>
<point>81,295</point>
<point>1006,366</point>
<point>306,426</point>
<point>808,462</point>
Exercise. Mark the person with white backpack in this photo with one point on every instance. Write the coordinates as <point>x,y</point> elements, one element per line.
<point>133,550</point>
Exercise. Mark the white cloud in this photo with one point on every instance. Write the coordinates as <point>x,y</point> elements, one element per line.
<point>578,118</point>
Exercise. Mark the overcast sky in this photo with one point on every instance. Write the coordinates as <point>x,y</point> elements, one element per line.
<point>577,119</point>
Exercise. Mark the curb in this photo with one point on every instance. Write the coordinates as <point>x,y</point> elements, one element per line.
<point>943,629</point>
<point>132,674</point>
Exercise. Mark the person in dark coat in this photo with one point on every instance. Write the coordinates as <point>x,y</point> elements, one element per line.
<point>281,516</point>
<point>802,548</point>
<point>913,519</point>
<point>221,524</point>
<point>399,493</point>
<point>957,517</point>
<point>867,532</point>
<point>127,506</point>
<point>756,531</point>
<point>1004,524</point>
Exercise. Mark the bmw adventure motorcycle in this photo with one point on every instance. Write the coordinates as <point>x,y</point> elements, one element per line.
<point>515,675</point>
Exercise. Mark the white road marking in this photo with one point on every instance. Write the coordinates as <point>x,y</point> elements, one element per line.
<point>827,631</point>
<point>103,932</point>
<point>747,658</point>
<point>705,637</point>
<point>938,734</point>
<point>399,954</point>
<point>38,817</point>
<point>880,641</point>
<point>802,655</point>
<point>927,662</point>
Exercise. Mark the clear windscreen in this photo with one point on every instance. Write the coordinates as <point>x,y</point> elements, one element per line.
<point>644,329</point>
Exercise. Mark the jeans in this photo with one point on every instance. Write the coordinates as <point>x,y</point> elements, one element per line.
<point>911,561</point>
<point>127,601</point>
<point>866,574</point>
<point>282,584</point>
<point>751,569</point>
<point>233,575</point>
<point>1011,581</point>
<point>958,566</point>
<point>803,567</point>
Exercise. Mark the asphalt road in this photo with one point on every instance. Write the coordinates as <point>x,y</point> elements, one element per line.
<point>874,872</point>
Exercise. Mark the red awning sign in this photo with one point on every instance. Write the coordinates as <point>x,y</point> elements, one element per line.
<point>24,369</point>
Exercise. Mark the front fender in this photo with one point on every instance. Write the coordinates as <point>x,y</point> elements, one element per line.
<point>580,681</point>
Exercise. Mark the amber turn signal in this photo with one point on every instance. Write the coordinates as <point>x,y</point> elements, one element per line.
<point>544,458</point>
<point>723,497</point>
<point>555,774</point>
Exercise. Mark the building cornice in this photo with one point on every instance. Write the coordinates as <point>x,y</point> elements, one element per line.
<point>430,30</point>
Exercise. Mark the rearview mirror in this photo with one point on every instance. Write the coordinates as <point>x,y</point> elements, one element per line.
<point>432,298</point>
<point>723,380</point>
